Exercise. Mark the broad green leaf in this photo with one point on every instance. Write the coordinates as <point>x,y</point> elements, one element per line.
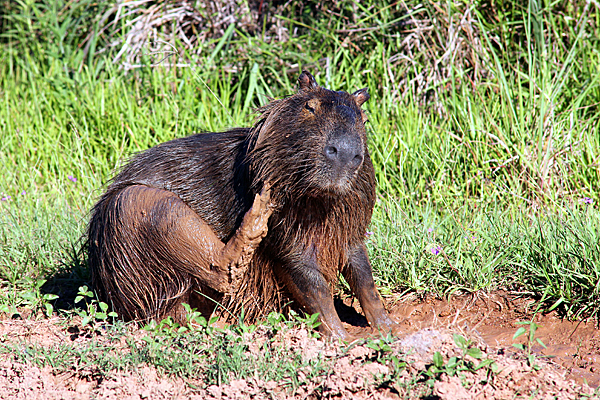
<point>519,332</point>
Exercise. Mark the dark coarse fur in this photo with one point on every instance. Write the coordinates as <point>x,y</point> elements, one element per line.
<point>318,225</point>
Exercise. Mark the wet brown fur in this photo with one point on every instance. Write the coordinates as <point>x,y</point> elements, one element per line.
<point>316,230</point>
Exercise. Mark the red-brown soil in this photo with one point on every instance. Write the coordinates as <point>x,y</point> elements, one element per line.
<point>426,326</point>
<point>574,346</point>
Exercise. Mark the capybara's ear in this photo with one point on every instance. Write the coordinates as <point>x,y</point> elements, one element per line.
<point>361,96</point>
<point>306,82</point>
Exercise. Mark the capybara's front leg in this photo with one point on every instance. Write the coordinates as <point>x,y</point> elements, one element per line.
<point>309,288</point>
<point>235,256</point>
<point>359,275</point>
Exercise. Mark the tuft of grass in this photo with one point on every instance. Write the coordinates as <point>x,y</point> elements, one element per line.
<point>553,257</point>
<point>199,351</point>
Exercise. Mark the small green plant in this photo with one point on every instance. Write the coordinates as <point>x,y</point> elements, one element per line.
<point>195,323</point>
<point>531,339</point>
<point>28,294</point>
<point>275,320</point>
<point>457,365</point>
<point>176,349</point>
<point>34,297</point>
<point>381,346</point>
<point>94,309</point>
<point>311,322</point>
<point>384,353</point>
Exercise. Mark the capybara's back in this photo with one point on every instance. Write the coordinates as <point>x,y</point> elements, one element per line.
<point>249,219</point>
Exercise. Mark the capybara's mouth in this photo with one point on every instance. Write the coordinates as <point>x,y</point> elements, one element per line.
<point>333,188</point>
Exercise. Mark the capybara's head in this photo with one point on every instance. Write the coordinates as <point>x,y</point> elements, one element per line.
<point>313,142</point>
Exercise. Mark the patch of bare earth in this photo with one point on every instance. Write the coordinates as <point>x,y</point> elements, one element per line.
<point>399,367</point>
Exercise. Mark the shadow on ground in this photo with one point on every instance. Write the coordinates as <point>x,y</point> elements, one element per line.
<point>65,283</point>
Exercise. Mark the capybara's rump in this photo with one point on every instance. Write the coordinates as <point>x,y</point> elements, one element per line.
<point>158,251</point>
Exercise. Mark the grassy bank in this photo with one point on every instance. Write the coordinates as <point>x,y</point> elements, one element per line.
<point>483,124</point>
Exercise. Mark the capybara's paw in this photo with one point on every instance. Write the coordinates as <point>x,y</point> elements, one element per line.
<point>255,224</point>
<point>386,324</point>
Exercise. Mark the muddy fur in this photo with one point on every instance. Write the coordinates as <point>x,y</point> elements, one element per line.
<point>317,229</point>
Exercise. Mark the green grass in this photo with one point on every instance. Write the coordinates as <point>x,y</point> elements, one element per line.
<point>552,257</point>
<point>494,148</point>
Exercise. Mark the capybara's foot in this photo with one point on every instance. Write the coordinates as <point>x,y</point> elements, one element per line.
<point>238,252</point>
<point>255,224</point>
<point>387,325</point>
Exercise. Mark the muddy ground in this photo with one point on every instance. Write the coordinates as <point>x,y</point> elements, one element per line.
<point>569,366</point>
<point>574,346</point>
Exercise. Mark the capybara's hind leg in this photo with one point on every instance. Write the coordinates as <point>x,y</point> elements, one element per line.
<point>158,250</point>
<point>238,251</point>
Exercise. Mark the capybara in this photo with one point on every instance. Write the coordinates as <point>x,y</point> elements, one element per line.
<point>186,221</point>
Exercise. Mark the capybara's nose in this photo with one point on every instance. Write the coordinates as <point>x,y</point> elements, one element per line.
<point>344,153</point>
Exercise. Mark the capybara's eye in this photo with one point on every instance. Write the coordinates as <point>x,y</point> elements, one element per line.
<point>312,105</point>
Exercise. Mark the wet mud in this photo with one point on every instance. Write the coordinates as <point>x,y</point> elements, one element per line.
<point>495,317</point>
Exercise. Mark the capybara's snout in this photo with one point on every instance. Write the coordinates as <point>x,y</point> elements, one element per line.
<point>344,153</point>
